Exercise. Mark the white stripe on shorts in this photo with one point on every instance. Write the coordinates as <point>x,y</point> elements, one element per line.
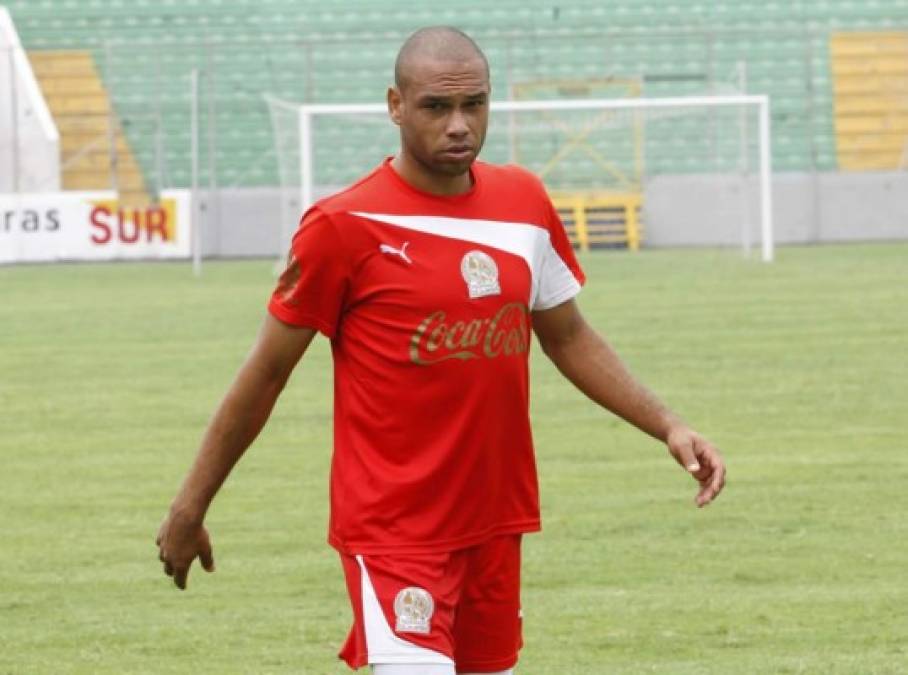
<point>381,642</point>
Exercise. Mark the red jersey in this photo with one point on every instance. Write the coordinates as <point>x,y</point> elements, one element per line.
<point>426,300</point>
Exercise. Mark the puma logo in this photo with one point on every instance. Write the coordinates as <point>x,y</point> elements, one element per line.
<point>399,252</point>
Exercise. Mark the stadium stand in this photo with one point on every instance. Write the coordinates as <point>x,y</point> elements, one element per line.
<point>82,111</point>
<point>309,50</point>
<point>871,98</point>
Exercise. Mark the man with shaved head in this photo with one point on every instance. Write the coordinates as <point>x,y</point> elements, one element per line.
<point>437,43</point>
<point>428,275</point>
<point>435,66</point>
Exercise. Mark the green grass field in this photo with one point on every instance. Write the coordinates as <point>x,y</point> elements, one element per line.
<point>798,370</point>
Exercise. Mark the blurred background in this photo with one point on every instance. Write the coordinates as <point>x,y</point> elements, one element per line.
<point>102,96</point>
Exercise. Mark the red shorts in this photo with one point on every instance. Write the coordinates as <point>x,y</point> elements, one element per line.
<point>459,607</point>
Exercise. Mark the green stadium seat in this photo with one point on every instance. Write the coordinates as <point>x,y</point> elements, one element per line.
<point>155,43</point>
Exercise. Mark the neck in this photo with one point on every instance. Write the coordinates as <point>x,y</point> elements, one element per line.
<point>437,184</point>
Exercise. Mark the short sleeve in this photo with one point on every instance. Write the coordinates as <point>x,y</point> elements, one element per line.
<point>560,275</point>
<point>313,288</point>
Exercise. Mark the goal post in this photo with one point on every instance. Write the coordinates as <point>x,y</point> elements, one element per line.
<point>594,146</point>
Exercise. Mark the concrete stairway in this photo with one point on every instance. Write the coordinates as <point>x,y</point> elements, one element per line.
<point>870,80</point>
<point>95,154</point>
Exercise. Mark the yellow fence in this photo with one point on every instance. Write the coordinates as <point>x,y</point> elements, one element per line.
<point>600,220</point>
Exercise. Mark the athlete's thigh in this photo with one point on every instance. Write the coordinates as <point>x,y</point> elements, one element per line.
<point>411,669</point>
<point>404,608</point>
<point>487,628</point>
<point>394,669</point>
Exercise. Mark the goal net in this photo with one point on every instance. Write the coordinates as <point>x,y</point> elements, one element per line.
<point>689,171</point>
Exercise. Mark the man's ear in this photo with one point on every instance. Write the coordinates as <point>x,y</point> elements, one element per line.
<point>394,102</point>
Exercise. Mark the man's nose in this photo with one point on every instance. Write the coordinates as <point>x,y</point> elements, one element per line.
<point>457,124</point>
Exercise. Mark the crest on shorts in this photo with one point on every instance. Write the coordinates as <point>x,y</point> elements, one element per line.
<point>481,274</point>
<point>413,607</point>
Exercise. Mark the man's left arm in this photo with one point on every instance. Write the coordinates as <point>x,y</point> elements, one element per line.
<point>589,362</point>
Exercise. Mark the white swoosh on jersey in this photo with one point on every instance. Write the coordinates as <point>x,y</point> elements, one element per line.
<point>549,272</point>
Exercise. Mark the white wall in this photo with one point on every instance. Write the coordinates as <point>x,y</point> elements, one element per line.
<point>708,210</point>
<point>681,210</point>
<point>29,142</point>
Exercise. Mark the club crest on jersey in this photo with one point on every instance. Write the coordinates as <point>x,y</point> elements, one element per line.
<point>413,607</point>
<point>481,274</point>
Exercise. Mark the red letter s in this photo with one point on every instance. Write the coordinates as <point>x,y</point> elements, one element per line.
<point>98,216</point>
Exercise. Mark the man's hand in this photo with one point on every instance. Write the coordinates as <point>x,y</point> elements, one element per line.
<point>237,422</point>
<point>180,541</point>
<point>701,459</point>
<point>592,365</point>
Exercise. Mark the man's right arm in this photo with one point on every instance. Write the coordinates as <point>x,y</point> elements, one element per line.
<point>235,425</point>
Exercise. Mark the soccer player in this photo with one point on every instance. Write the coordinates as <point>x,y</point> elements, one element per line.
<point>429,276</point>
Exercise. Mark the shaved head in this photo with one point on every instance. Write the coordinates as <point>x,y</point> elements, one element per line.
<point>440,101</point>
<point>436,43</point>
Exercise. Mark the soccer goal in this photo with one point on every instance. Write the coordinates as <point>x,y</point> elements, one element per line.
<point>684,171</point>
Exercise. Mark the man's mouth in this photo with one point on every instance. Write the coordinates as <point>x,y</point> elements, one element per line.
<point>458,151</point>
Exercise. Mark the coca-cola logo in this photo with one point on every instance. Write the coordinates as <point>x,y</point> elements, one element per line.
<point>439,339</point>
